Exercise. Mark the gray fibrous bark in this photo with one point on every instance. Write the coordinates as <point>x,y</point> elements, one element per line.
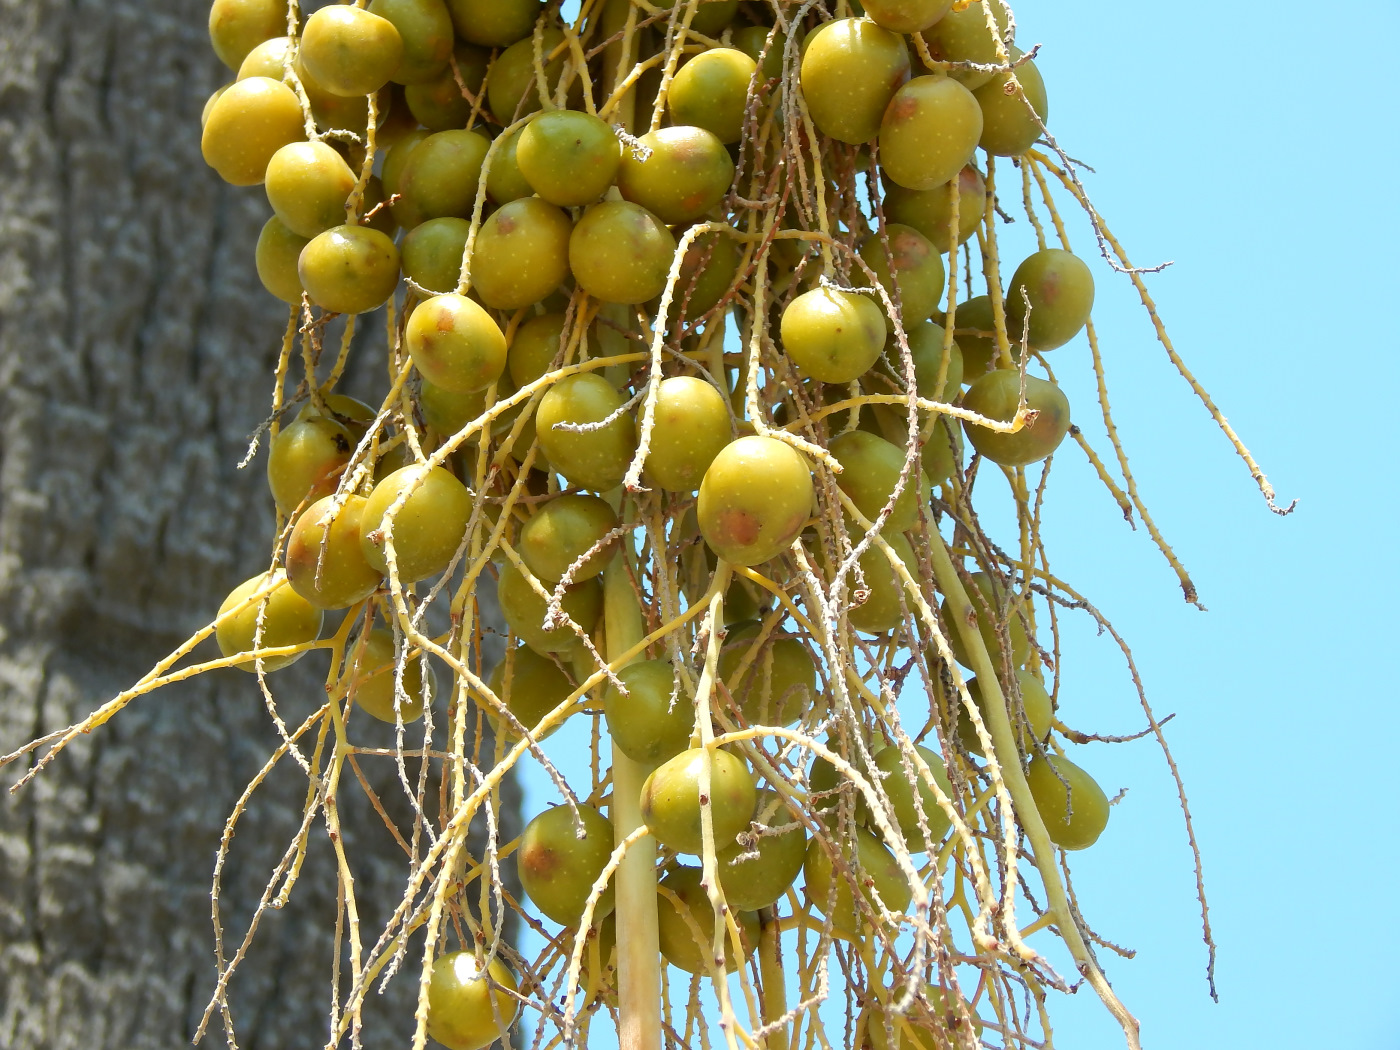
<point>136,355</point>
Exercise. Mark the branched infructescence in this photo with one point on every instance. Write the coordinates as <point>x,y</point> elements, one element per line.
<point>676,365</point>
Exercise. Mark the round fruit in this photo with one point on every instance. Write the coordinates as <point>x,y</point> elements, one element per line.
<point>621,253</point>
<point>754,500</point>
<point>899,787</point>
<point>251,121</point>
<point>907,16</point>
<point>928,133</point>
<point>469,1009</point>
<point>349,50</point>
<point>826,788</point>
<point>943,450</point>
<point>563,531</point>
<point>677,936</point>
<point>307,184</point>
<point>780,684</point>
<point>374,687</point>
<point>686,174</point>
<point>568,158</point>
<point>652,723</point>
<point>535,348</point>
<point>963,36</point>
<point>671,799</point>
<point>707,274</point>
<point>926,347</point>
<point>287,619</point>
<point>976,334</point>
<point>996,396</point>
<point>349,269</point>
<point>561,855</point>
<point>875,869</point>
<point>1070,801</point>
<point>751,882</point>
<point>438,104</point>
<point>711,16</point>
<point>594,459</point>
<point>987,600</point>
<point>691,427</point>
<point>1035,702</point>
<point>536,687</point>
<point>268,59</point>
<point>711,91</point>
<point>833,335</point>
<point>305,460</point>
<point>504,182</point>
<point>753,41</point>
<point>1009,124</point>
<point>425,28</point>
<point>434,508</point>
<point>521,254</point>
<point>494,23</point>
<point>917,268</point>
<point>524,610</point>
<point>455,344</point>
<point>340,577</point>
<point>276,256</point>
<point>238,26</point>
<point>440,177</point>
<point>1061,292</point>
<point>511,89</point>
<point>918,1035</point>
<point>881,611</point>
<point>432,253</point>
<point>930,211</point>
<point>850,71</point>
<point>872,467</point>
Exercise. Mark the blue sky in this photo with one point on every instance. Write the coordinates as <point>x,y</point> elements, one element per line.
<point>1253,145</point>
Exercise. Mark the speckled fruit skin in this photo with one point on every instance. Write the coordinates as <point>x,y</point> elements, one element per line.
<point>249,122</point>
<point>872,469</point>
<point>521,254</point>
<point>524,611</point>
<point>1074,818</point>
<point>758,882</point>
<point>349,269</point>
<point>878,874</point>
<point>645,725</point>
<point>426,31</point>
<point>305,460</point>
<point>276,256</point>
<point>431,253</point>
<point>780,683</point>
<point>569,158</point>
<point>375,690</point>
<point>455,343</point>
<point>850,71</point>
<point>881,611</point>
<point>428,526</point>
<point>1009,127</point>
<point>691,428</point>
<point>929,132</point>
<point>564,530</point>
<point>929,211</point>
<point>677,938</point>
<point>595,459</point>
<point>900,790</point>
<point>988,609</point>
<point>711,91</point>
<point>345,576</point>
<point>962,36</point>
<point>289,619</point>
<point>440,177</point>
<point>907,16</point>
<point>1035,701</point>
<point>558,869</point>
<point>996,396</point>
<point>917,272</point>
<point>237,26</point>
<point>537,687</point>
<point>1060,287</point>
<point>621,253</point>
<point>687,173</point>
<point>754,500</point>
<point>833,335</point>
<point>671,799</point>
<point>469,1009</point>
<point>350,51</point>
<point>307,184</point>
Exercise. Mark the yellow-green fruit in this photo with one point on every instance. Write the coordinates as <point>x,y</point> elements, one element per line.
<point>307,184</point>
<point>850,71</point>
<point>1009,124</point>
<point>1061,293</point>
<point>396,158</point>
<point>751,882</point>
<point>913,1032</point>
<point>929,132</point>
<point>287,619</point>
<point>536,686</point>
<point>691,425</point>
<point>779,686</point>
<point>753,41</point>
<point>524,610</point>
<point>1035,702</point>
<point>1070,801</point>
<point>754,500</point>
<point>440,177</point>
<point>930,211</point>
<point>996,396</point>
<point>494,23</point>
<point>963,36</point>
<point>568,158</point>
<point>711,16</point>
<point>455,344</point>
<point>374,673</point>
<point>276,256</point>
<point>877,874</point>
<point>469,1008</point>
<point>621,253</point>
<point>833,335</point>
<point>881,611</point>
<point>872,467</point>
<point>238,26</point>
<point>990,606</point>
<point>899,787</point>
<point>251,121</point>
<point>432,253</point>
<point>439,104</point>
<point>209,104</point>
<point>976,334</point>
<point>562,853</point>
<point>680,944</point>
<point>562,531</point>
<point>350,51</point>
<point>268,59</point>
<point>707,274</point>
<point>349,269</point>
<point>594,459</point>
<point>926,347</point>
<point>305,460</point>
<point>426,31</point>
<point>536,346</point>
<point>383,217</point>
<point>511,89</point>
<point>504,182</point>
<point>652,722</point>
<point>325,564</point>
<point>907,16</point>
<point>711,91</point>
<point>686,173</point>
<point>434,508</point>
<point>521,254</point>
<point>671,799</point>
<point>917,270</point>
